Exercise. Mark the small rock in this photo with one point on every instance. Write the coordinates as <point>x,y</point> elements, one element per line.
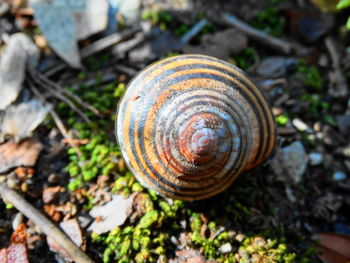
<point>315,158</point>
<point>174,240</point>
<point>18,219</point>
<point>344,123</point>
<point>290,195</point>
<point>240,237</point>
<point>50,194</point>
<point>301,126</point>
<point>225,248</point>
<point>346,151</point>
<point>275,67</point>
<point>339,176</point>
<point>4,7</point>
<point>290,163</point>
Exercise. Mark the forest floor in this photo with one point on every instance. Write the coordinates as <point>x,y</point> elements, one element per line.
<point>270,214</point>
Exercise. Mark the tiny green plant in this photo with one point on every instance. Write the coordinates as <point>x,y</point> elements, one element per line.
<point>342,4</point>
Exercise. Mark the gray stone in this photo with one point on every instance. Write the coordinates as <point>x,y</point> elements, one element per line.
<point>339,176</point>
<point>290,163</point>
<point>315,158</point>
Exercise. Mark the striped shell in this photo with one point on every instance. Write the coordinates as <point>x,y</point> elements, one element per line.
<point>189,125</point>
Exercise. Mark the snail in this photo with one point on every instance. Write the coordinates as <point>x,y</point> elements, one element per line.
<point>189,125</point>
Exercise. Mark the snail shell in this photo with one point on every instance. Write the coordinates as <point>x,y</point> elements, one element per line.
<point>189,125</point>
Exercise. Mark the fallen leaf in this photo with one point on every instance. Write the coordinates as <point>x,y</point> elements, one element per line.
<point>326,5</point>
<point>334,248</point>
<point>18,50</point>
<point>20,120</point>
<point>112,214</point>
<point>329,256</point>
<point>63,23</point>
<point>14,154</point>
<point>17,251</point>
<point>72,229</point>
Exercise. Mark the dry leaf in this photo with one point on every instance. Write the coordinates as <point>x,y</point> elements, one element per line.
<point>17,251</point>
<point>63,23</point>
<point>326,5</point>
<point>333,248</point>
<point>14,154</point>
<point>72,229</point>
<point>112,214</point>
<point>19,49</point>
<point>20,120</point>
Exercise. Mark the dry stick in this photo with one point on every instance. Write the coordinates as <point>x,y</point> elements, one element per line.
<point>274,42</point>
<point>57,120</point>
<point>45,225</point>
<point>96,47</point>
<point>193,31</point>
<point>60,96</point>
<point>59,88</point>
<point>108,41</point>
<point>340,89</point>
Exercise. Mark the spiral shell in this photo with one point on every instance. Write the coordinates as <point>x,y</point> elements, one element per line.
<point>189,125</point>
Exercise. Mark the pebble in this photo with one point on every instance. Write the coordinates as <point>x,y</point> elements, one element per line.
<point>4,8</point>
<point>17,220</point>
<point>346,151</point>
<point>290,163</point>
<point>339,176</point>
<point>275,67</point>
<point>315,158</point>
<point>240,237</point>
<point>225,248</point>
<point>301,126</point>
<point>344,123</point>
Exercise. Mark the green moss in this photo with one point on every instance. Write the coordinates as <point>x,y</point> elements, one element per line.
<point>245,59</point>
<point>282,120</point>
<point>269,19</point>
<point>311,76</point>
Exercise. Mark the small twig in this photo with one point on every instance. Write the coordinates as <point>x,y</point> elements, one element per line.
<point>274,42</point>
<point>337,79</point>
<point>58,95</point>
<point>193,31</point>
<point>107,42</point>
<point>64,132</point>
<point>49,82</point>
<point>45,225</point>
<point>126,70</point>
<point>56,119</point>
<point>285,131</point>
<point>126,46</point>
<point>55,69</point>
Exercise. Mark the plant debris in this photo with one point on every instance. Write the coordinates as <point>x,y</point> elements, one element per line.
<point>24,153</point>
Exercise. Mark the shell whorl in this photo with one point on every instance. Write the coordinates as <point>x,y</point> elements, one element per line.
<point>188,125</point>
